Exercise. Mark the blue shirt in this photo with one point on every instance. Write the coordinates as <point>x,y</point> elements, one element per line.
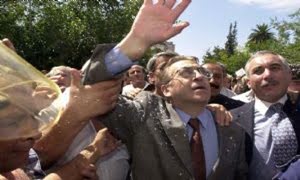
<point>33,169</point>
<point>116,61</point>
<point>208,133</point>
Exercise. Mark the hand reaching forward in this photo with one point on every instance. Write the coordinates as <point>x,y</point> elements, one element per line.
<point>153,24</point>
<point>89,101</point>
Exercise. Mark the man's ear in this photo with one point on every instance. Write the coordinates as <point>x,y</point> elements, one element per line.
<point>150,77</point>
<point>165,90</point>
<point>248,83</point>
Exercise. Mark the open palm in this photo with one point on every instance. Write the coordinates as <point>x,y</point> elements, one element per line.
<point>156,22</point>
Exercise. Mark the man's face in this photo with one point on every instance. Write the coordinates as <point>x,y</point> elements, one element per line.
<point>153,76</point>
<point>14,153</point>
<point>216,82</point>
<point>22,129</point>
<point>268,77</point>
<point>187,86</point>
<point>136,73</point>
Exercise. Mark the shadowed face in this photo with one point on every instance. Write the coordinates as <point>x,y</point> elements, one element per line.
<point>14,151</point>
<point>136,74</point>
<point>216,82</point>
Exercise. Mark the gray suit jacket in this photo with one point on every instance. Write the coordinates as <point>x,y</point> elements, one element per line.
<point>244,117</point>
<point>158,142</point>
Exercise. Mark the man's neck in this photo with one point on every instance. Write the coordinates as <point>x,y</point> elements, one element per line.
<point>140,84</point>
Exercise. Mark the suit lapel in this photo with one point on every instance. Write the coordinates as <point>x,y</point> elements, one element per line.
<point>176,132</point>
<point>220,152</point>
<point>244,117</point>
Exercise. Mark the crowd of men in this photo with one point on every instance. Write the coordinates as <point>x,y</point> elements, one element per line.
<point>170,121</point>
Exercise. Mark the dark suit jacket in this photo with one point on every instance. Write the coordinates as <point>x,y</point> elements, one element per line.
<point>157,140</point>
<point>244,116</point>
<point>227,102</point>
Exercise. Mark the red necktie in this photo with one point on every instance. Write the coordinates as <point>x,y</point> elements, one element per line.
<point>198,158</point>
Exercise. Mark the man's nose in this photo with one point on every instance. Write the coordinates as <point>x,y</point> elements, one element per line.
<point>198,75</point>
<point>267,73</point>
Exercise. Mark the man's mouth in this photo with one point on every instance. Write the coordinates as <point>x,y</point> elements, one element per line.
<point>268,83</point>
<point>198,87</point>
<point>214,86</point>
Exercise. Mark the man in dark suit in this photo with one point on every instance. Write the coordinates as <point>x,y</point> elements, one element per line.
<point>158,133</point>
<point>269,77</point>
<point>216,84</point>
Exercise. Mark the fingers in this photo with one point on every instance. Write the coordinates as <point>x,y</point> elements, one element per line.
<point>148,2</point>
<point>89,172</point>
<point>44,91</point>
<point>170,3</point>
<point>222,116</point>
<point>177,28</point>
<point>160,2</point>
<point>228,118</point>
<point>75,78</point>
<point>177,11</point>
<point>105,142</point>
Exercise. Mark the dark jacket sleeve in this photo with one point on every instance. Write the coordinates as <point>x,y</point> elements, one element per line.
<point>96,70</point>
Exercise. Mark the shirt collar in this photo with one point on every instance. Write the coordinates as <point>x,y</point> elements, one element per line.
<point>203,117</point>
<point>263,106</point>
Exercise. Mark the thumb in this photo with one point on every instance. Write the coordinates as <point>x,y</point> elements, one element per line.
<point>75,78</point>
<point>177,28</point>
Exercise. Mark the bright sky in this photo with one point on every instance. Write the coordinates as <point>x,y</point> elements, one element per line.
<point>210,20</point>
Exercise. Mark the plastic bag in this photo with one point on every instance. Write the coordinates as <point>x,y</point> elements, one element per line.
<point>27,98</point>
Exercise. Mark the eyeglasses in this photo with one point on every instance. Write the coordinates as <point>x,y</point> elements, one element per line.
<point>188,72</point>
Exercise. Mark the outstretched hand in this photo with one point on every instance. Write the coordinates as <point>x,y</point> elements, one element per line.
<point>153,24</point>
<point>96,99</point>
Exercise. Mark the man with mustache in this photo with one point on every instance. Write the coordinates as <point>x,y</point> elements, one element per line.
<point>271,120</point>
<point>216,84</point>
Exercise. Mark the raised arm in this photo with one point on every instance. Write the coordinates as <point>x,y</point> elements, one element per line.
<point>153,24</point>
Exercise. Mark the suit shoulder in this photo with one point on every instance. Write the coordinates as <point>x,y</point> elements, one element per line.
<point>232,128</point>
<point>146,98</point>
<point>242,108</point>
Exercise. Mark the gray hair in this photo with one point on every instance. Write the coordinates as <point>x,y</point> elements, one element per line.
<point>55,70</point>
<point>150,65</point>
<point>262,53</point>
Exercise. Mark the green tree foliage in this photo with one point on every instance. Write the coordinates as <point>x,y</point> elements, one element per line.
<point>49,33</point>
<point>232,63</point>
<point>262,39</point>
<point>261,34</point>
<point>289,37</point>
<point>231,42</point>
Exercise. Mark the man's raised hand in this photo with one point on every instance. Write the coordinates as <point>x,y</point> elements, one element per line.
<point>154,23</point>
